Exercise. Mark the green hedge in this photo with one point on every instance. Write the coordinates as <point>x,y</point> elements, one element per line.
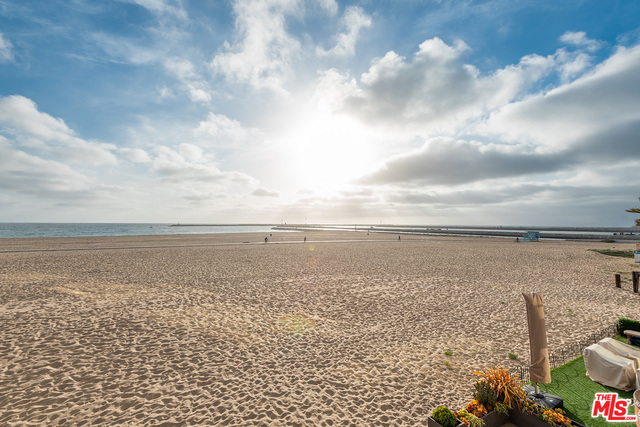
<point>625,324</point>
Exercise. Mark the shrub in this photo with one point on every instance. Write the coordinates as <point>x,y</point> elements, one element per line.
<point>470,419</point>
<point>627,324</point>
<point>444,416</point>
<point>512,356</point>
<point>508,388</point>
<point>501,408</point>
<point>485,395</point>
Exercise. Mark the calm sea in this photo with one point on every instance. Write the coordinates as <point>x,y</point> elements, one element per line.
<point>12,229</point>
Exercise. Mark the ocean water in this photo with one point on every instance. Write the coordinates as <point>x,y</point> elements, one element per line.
<point>13,229</point>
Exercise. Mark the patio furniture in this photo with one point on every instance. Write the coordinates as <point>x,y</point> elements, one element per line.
<point>610,369</point>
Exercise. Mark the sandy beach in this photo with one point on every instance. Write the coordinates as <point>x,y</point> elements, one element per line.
<point>345,329</point>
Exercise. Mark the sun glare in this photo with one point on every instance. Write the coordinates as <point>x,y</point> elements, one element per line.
<point>325,152</point>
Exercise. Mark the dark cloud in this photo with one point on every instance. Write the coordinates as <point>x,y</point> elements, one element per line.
<point>466,197</point>
<point>445,161</point>
<point>618,143</point>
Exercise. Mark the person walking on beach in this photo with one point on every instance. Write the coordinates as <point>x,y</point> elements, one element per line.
<point>266,239</point>
<point>305,239</point>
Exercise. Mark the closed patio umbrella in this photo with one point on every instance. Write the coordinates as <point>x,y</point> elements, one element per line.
<point>539,371</point>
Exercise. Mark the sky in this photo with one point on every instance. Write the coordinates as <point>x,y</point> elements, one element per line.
<point>487,112</point>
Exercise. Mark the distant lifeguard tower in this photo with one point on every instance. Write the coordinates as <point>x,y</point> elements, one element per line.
<point>531,236</point>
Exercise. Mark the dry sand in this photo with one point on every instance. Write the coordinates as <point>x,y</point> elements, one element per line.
<point>323,333</point>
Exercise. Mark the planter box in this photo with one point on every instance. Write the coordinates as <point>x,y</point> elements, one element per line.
<point>523,420</point>
<point>433,423</point>
<point>494,419</point>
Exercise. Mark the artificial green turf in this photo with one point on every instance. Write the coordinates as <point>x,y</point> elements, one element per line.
<point>621,339</point>
<point>570,382</point>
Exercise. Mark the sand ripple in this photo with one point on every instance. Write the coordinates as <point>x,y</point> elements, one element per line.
<point>337,334</point>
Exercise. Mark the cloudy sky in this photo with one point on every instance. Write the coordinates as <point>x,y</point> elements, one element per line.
<point>411,112</point>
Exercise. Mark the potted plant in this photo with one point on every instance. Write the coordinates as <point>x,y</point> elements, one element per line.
<point>499,398</point>
<point>534,415</point>
<point>484,405</point>
<point>470,419</point>
<point>497,392</point>
<point>443,417</point>
<point>507,388</point>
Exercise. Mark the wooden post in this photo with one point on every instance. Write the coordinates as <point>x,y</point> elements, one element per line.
<point>617,281</point>
<point>635,275</point>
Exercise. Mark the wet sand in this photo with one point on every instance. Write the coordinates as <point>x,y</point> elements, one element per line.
<point>345,329</point>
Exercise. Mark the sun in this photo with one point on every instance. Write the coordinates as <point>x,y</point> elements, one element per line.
<point>327,152</point>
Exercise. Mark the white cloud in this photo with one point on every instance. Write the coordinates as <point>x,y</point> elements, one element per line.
<point>436,91</point>
<point>354,20</point>
<point>607,98</point>
<point>189,167</point>
<point>21,115</point>
<point>165,92</point>
<point>563,147</point>
<point>192,153</point>
<point>135,155</point>
<point>182,68</point>
<point>21,121</point>
<point>190,79</point>
<point>263,192</point>
<point>25,173</point>
<point>330,6</point>
<point>332,88</point>
<point>572,64</point>
<point>6,54</point>
<point>122,49</point>
<point>580,39</point>
<point>199,95</point>
<point>263,54</point>
<point>40,156</point>
<point>162,7</point>
<point>222,131</point>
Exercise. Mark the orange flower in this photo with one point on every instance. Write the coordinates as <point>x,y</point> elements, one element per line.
<point>556,417</point>
<point>477,408</point>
